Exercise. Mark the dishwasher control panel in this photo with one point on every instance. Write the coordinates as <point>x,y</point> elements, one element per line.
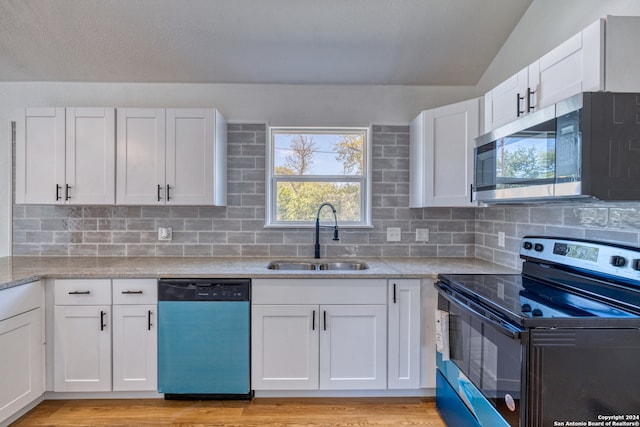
<point>204,290</point>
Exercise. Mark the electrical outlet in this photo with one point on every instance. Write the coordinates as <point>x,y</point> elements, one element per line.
<point>394,234</point>
<point>422,234</point>
<point>501,239</point>
<point>165,233</point>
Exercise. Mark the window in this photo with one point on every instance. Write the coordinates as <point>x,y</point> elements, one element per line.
<point>309,166</point>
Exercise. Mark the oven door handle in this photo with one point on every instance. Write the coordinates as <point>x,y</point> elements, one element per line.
<point>449,294</point>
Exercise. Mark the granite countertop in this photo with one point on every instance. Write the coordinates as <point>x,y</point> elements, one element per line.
<point>16,271</point>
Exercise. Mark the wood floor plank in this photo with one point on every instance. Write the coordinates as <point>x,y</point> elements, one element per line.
<point>324,412</point>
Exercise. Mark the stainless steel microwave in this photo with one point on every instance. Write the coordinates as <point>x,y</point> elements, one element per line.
<point>587,146</point>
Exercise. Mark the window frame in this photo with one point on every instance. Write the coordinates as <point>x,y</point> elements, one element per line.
<point>272,180</point>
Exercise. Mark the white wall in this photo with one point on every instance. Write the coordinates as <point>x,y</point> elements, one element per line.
<point>546,24</point>
<point>284,105</point>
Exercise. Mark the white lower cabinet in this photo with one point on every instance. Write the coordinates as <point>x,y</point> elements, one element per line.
<point>337,343</point>
<point>353,344</point>
<point>404,334</point>
<point>82,348</point>
<point>134,348</point>
<point>102,347</point>
<point>285,347</point>
<point>21,348</point>
<point>82,335</point>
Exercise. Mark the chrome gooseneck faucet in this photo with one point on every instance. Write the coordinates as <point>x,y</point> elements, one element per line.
<point>335,228</point>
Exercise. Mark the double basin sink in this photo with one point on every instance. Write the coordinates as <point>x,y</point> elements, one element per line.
<point>317,265</point>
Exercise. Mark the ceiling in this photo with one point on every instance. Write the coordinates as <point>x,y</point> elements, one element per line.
<point>381,42</point>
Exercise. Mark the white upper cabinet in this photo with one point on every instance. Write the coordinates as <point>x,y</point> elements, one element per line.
<point>441,155</point>
<point>65,156</point>
<point>599,57</point>
<point>172,156</point>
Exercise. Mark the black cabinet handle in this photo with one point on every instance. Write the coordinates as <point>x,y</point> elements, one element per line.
<point>102,324</point>
<point>149,320</point>
<point>159,189</point>
<point>58,188</point>
<point>131,292</point>
<point>67,192</point>
<point>530,105</point>
<point>313,320</point>
<point>519,98</point>
<point>168,192</point>
<point>79,292</point>
<point>394,294</point>
<point>324,313</point>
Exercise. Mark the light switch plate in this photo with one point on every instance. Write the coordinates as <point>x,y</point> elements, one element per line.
<point>394,234</point>
<point>165,233</point>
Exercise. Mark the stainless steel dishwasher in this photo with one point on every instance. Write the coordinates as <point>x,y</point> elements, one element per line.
<point>203,338</point>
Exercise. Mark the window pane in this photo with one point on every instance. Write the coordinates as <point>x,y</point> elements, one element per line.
<point>318,153</point>
<point>299,201</point>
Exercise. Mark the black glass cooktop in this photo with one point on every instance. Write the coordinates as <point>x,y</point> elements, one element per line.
<point>524,300</point>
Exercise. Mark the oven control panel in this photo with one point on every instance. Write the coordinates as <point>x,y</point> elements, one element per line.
<point>604,258</point>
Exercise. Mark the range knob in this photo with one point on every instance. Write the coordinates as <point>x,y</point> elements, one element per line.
<point>618,261</point>
<point>538,247</point>
<point>635,264</point>
<point>526,308</point>
<point>527,245</point>
<point>536,312</point>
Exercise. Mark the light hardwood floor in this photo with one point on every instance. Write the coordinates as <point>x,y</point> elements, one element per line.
<point>359,412</point>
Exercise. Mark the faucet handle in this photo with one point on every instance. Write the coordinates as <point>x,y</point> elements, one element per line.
<point>335,233</point>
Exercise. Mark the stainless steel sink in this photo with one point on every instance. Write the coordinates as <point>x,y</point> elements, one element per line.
<point>356,265</point>
<point>291,265</point>
<point>308,265</point>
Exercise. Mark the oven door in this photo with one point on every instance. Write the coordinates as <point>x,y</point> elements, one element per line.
<point>488,356</point>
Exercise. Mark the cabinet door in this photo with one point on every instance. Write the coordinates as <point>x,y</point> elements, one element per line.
<point>404,334</point>
<point>353,347</point>
<point>40,155</point>
<point>140,157</point>
<point>284,347</point>
<point>90,156</point>
<point>450,139</point>
<point>575,66</point>
<point>82,348</point>
<point>507,101</point>
<point>21,361</point>
<point>135,342</point>
<point>190,148</point>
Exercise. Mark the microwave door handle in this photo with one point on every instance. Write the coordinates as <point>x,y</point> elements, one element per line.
<point>448,294</point>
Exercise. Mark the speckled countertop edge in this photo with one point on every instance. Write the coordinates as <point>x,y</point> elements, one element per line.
<point>15,271</point>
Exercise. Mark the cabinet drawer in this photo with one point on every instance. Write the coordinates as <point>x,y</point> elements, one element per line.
<point>319,291</point>
<point>135,291</point>
<point>82,292</point>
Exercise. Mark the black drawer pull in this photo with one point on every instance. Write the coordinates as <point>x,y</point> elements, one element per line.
<point>149,320</point>
<point>102,324</point>
<point>79,292</point>
<point>131,292</point>
<point>313,321</point>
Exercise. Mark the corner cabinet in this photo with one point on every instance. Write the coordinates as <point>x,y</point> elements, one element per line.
<point>441,155</point>
<point>404,334</point>
<point>595,59</point>
<point>21,347</point>
<point>171,157</point>
<point>65,156</point>
<point>318,334</point>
